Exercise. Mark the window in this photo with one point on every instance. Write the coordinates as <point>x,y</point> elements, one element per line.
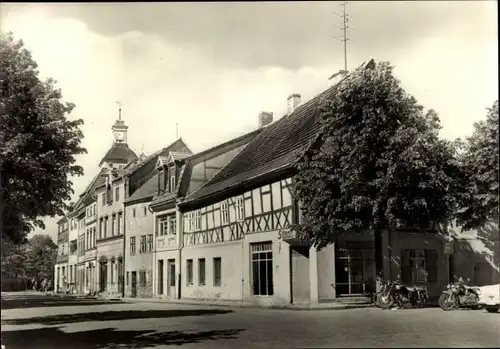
<point>201,271</point>
<point>145,211</point>
<point>224,212</point>
<point>127,278</point>
<point>150,242</point>
<point>103,199</point>
<point>189,272</point>
<point>117,193</point>
<point>262,269</point>
<point>118,223</point>
<point>112,272</point>
<point>133,212</point>
<point>240,208</point>
<point>100,228</point>
<point>166,225</point>
<point>105,227</point>
<point>172,225</point>
<point>217,271</point>
<point>197,220</point>
<point>132,245</point>
<point>142,278</point>
<point>113,225</point>
<point>143,244</point>
<point>172,184</point>
<point>419,266</point>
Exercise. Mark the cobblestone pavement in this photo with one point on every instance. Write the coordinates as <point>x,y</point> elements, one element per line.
<point>160,325</point>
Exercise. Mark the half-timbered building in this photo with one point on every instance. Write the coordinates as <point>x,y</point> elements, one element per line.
<point>236,228</point>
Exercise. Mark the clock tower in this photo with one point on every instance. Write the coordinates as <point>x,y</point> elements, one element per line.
<point>120,154</point>
<point>119,129</point>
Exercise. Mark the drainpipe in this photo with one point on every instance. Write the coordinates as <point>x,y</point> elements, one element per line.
<point>180,229</point>
<point>124,245</point>
<point>153,271</point>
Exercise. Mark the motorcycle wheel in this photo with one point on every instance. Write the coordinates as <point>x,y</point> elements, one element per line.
<point>445,302</point>
<point>384,301</point>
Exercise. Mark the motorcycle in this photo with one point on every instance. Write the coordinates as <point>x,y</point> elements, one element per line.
<point>459,295</point>
<point>393,292</point>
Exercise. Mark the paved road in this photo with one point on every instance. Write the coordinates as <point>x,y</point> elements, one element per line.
<point>47,322</point>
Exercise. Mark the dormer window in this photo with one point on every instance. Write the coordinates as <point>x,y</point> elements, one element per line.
<point>172,183</point>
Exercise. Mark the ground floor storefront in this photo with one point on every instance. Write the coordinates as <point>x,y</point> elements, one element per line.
<point>274,268</point>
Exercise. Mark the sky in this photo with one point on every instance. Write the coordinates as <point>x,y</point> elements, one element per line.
<point>212,67</point>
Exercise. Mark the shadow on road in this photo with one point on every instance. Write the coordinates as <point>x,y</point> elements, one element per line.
<point>41,302</point>
<point>50,338</point>
<point>112,316</point>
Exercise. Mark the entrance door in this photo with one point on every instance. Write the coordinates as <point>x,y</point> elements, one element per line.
<point>354,271</point>
<point>160,277</point>
<point>134,284</point>
<point>300,274</point>
<point>171,278</point>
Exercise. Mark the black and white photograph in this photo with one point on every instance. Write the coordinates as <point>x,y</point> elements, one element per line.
<point>249,174</point>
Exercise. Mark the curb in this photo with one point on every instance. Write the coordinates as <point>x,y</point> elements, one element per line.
<point>255,306</point>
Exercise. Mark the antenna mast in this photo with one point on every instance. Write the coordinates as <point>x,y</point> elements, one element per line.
<point>119,110</point>
<point>345,20</point>
<point>345,27</point>
<point>176,130</point>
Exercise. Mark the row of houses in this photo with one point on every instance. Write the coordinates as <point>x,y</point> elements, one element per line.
<point>215,225</point>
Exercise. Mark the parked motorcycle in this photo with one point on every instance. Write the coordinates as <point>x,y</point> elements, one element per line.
<point>458,294</point>
<point>393,292</point>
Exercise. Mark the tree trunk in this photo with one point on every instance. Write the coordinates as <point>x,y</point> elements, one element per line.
<point>379,258</point>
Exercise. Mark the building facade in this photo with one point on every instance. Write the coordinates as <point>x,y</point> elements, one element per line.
<point>140,223</point>
<point>73,253</point>
<point>61,267</point>
<point>177,177</point>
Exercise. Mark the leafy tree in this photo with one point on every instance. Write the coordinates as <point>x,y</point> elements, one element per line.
<point>12,260</point>
<point>41,255</point>
<point>378,163</point>
<point>38,143</point>
<point>479,160</point>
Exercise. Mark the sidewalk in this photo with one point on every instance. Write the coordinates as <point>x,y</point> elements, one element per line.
<point>248,305</point>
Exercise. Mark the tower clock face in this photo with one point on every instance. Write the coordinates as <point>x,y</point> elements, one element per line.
<point>119,136</point>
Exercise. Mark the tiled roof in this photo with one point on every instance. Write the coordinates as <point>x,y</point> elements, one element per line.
<point>155,155</point>
<point>276,148</point>
<point>97,181</point>
<point>147,190</point>
<point>186,169</point>
<point>150,188</point>
<point>119,153</point>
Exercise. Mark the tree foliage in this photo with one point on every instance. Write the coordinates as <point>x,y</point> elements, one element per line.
<point>36,258</point>
<point>479,160</point>
<point>378,163</point>
<point>40,257</point>
<point>38,143</point>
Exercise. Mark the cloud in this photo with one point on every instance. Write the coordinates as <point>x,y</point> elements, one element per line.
<point>211,67</point>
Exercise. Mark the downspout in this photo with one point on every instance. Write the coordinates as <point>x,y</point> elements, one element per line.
<point>154,274</point>
<point>125,187</point>
<point>180,229</point>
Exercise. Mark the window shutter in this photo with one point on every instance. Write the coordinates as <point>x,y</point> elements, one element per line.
<point>405,266</point>
<point>431,260</point>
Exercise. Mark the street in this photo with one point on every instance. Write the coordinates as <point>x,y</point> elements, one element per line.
<point>52,322</point>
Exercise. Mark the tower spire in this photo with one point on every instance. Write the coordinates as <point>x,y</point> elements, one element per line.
<point>119,110</point>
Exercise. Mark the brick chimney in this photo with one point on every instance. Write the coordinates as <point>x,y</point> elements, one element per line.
<point>265,118</point>
<point>292,102</point>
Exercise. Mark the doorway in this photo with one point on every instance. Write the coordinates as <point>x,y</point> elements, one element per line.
<point>160,277</point>
<point>171,278</point>
<point>354,268</point>
<point>133,288</point>
<point>299,269</point>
